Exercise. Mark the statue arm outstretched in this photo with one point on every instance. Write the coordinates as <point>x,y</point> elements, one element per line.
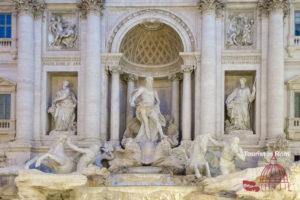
<point>74,147</point>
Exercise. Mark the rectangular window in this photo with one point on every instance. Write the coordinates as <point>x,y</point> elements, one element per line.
<point>297,104</point>
<point>5,103</point>
<point>5,25</point>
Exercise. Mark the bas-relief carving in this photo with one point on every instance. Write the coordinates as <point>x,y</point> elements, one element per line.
<point>63,31</point>
<point>240,30</point>
<point>63,109</point>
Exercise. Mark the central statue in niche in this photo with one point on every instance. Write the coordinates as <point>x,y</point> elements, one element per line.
<point>146,101</point>
<point>238,107</point>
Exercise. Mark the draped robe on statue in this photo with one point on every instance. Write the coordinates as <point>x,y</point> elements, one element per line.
<point>238,108</point>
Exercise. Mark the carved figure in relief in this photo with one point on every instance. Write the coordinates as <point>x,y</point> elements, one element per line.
<point>146,101</point>
<point>240,30</point>
<point>238,106</point>
<point>197,159</point>
<point>63,109</point>
<point>231,152</point>
<point>64,34</point>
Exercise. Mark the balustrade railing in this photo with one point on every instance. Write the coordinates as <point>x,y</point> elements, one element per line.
<point>7,126</point>
<point>5,42</point>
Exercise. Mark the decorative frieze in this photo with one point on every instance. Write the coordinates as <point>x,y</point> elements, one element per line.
<point>87,6</point>
<point>241,59</point>
<point>265,6</point>
<point>63,31</point>
<point>66,61</point>
<point>35,7</point>
<point>240,29</point>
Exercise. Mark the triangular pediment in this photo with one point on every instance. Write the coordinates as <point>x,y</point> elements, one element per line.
<point>6,82</point>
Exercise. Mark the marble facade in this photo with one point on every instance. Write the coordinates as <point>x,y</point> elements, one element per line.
<point>196,50</point>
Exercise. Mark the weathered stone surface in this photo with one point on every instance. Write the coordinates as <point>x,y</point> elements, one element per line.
<point>139,193</point>
<point>231,182</point>
<point>35,178</point>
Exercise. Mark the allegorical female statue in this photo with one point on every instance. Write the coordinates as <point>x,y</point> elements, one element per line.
<point>146,101</point>
<point>238,106</point>
<point>63,109</point>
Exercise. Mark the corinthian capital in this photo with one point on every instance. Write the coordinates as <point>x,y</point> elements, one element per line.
<point>205,5</point>
<point>87,6</point>
<point>265,6</point>
<point>35,7</point>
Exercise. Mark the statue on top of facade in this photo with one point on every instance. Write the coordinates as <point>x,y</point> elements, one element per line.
<point>146,101</point>
<point>238,107</point>
<point>63,109</point>
<point>64,34</point>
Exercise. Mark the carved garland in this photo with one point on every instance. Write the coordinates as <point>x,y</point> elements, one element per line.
<point>152,11</point>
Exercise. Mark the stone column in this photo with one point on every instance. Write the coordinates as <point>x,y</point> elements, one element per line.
<point>175,110</point>
<point>208,67</point>
<point>130,78</point>
<point>25,70</point>
<point>92,10</point>
<point>104,101</point>
<point>187,69</point>
<point>115,70</point>
<point>275,66</point>
<point>38,74</point>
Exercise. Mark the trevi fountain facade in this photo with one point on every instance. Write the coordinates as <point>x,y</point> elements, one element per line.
<point>173,99</point>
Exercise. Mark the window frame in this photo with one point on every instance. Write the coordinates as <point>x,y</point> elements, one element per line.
<point>6,25</point>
